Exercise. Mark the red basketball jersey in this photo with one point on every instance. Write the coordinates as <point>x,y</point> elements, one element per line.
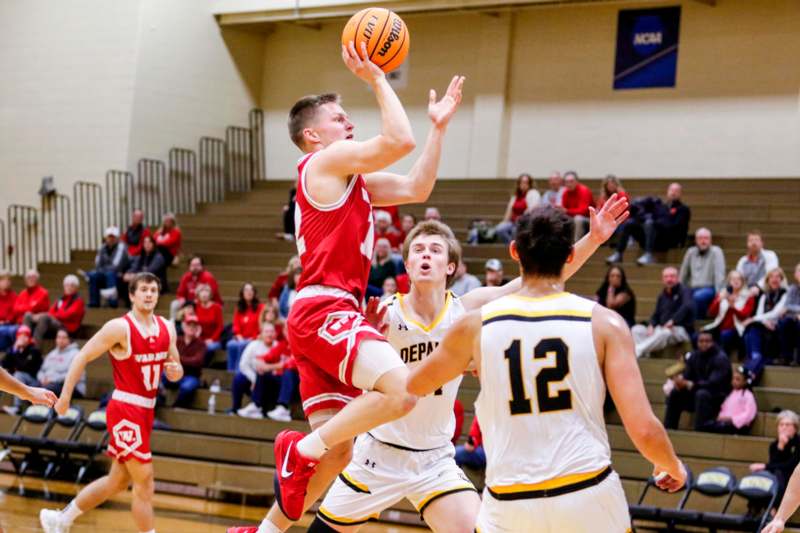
<point>334,241</point>
<point>140,372</point>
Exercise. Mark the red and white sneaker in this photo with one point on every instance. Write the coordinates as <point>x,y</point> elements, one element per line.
<point>292,473</point>
<point>243,529</point>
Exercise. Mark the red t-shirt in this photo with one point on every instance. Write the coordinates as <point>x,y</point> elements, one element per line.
<point>577,202</point>
<point>7,306</point>
<point>32,300</point>
<point>171,240</point>
<point>246,323</point>
<point>603,198</point>
<point>210,320</point>
<point>69,310</point>
<point>189,283</point>
<point>394,237</point>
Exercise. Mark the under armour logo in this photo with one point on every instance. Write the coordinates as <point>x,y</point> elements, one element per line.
<point>369,463</point>
<point>402,327</point>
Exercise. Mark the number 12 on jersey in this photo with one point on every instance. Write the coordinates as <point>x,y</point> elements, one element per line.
<point>520,403</point>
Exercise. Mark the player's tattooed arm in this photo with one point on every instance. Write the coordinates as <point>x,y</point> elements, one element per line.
<point>109,335</point>
<point>173,368</point>
<point>450,359</point>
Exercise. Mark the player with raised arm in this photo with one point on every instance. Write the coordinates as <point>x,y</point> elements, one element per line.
<point>140,345</point>
<point>338,353</point>
<point>412,457</point>
<point>544,358</point>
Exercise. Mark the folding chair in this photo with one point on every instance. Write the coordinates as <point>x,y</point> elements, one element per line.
<point>62,433</point>
<point>652,500</point>
<point>27,437</point>
<point>90,440</point>
<point>760,489</point>
<point>714,484</point>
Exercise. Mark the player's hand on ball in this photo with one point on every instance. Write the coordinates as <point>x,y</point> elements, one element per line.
<point>375,315</point>
<point>440,112</point>
<point>40,396</point>
<point>62,405</point>
<point>603,223</point>
<point>776,526</point>
<point>173,370</point>
<point>670,481</point>
<point>360,64</point>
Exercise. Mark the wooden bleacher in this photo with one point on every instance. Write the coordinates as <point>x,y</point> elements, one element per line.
<point>220,453</point>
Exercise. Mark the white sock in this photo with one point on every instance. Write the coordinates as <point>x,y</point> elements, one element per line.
<point>312,445</point>
<point>268,527</point>
<point>71,512</point>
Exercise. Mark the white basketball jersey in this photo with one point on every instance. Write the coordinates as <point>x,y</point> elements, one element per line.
<point>431,423</point>
<point>542,391</point>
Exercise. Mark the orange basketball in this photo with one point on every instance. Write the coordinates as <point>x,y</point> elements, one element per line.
<point>384,33</point>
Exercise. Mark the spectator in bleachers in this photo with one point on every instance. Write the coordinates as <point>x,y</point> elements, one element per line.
<point>730,308</point>
<point>655,225</point>
<point>109,264</point>
<point>192,350</point>
<point>280,281</point>
<point>209,317</point>
<point>288,216</point>
<point>150,259</point>
<point>703,271</point>
<point>463,281</point>
<point>193,277</point>
<point>281,374</point>
<point>784,451</point>
<point>8,320</point>
<point>135,233</point>
<point>407,223</point>
<point>673,318</point>
<point>66,313</point>
<point>616,294</point>
<point>272,316</point>
<point>23,361</point>
<point>432,213</point>
<point>471,453</point>
<point>394,212</point>
<point>382,267</point>
<point>385,230</point>
<point>250,367</point>
<point>760,338</point>
<point>755,264</point>
<point>32,299</point>
<point>289,293</point>
<point>738,410</point>
<point>555,190</point>
<point>789,324</point>
<point>246,325</point>
<point>702,386</point>
<point>524,199</point>
<point>389,288</point>
<point>55,366</point>
<point>611,185</point>
<point>169,238</point>
<point>576,201</point>
<point>494,273</point>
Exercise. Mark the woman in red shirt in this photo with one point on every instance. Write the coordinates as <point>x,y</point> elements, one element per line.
<point>168,238</point>
<point>246,324</point>
<point>524,199</point>
<point>731,307</point>
<point>209,316</point>
<point>611,185</point>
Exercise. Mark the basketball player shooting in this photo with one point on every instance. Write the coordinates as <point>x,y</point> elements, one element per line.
<point>338,353</point>
<point>544,358</point>
<point>140,344</point>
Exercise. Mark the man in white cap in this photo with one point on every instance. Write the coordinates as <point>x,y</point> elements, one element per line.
<point>109,263</point>
<point>494,273</point>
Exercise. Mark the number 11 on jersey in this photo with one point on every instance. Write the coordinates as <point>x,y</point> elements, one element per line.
<point>151,375</point>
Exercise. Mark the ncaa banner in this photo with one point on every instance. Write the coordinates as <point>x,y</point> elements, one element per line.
<point>647,47</point>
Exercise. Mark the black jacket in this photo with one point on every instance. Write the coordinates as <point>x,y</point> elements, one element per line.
<point>784,460</point>
<point>677,306</point>
<point>29,360</point>
<point>153,263</point>
<point>709,370</point>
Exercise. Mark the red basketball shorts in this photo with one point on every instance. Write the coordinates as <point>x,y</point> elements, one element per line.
<point>129,429</point>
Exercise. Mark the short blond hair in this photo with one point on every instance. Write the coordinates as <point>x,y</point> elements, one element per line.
<point>434,227</point>
<point>790,416</point>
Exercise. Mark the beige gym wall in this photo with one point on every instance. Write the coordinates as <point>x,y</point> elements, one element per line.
<point>733,113</point>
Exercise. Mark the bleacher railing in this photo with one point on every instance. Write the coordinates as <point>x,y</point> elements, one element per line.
<point>50,232</point>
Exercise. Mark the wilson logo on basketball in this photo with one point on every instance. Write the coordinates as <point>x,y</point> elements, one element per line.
<point>397,26</point>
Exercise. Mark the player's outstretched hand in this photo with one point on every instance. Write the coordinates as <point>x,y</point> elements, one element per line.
<point>670,481</point>
<point>360,64</point>
<point>776,526</point>
<point>440,112</point>
<point>62,405</point>
<point>40,396</point>
<point>603,223</point>
<point>375,315</point>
